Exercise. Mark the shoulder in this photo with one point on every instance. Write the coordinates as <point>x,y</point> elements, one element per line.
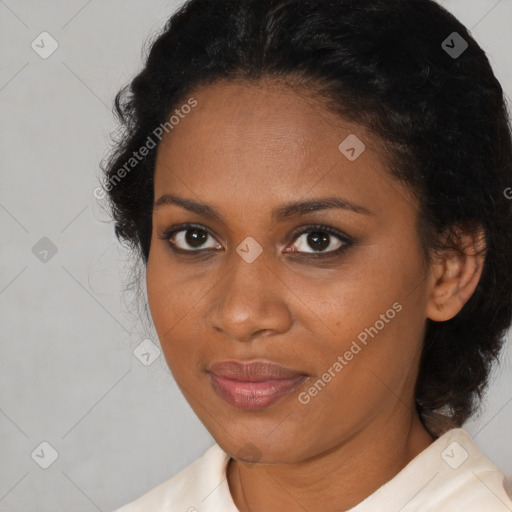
<point>468,480</point>
<point>451,475</point>
<point>189,489</point>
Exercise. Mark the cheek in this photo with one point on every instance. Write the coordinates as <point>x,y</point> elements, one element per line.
<point>166,300</point>
<point>159,291</point>
<point>170,294</point>
<point>174,302</point>
<point>372,314</point>
<point>365,287</point>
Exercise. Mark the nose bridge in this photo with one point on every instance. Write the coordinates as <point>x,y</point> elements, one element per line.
<point>249,300</point>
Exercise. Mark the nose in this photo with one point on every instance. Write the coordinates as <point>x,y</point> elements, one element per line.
<point>249,302</point>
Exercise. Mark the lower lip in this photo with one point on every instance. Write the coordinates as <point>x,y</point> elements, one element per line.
<point>253,395</point>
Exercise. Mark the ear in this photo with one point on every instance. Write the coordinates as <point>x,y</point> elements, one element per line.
<point>455,275</point>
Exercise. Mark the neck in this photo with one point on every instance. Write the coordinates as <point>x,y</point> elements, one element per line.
<point>335,480</point>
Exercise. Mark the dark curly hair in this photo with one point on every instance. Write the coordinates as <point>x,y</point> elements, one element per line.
<point>383,64</point>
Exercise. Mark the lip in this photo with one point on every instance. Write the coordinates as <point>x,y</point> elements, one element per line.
<point>253,385</point>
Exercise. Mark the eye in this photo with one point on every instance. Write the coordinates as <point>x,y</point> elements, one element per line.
<point>316,241</point>
<point>190,239</point>
<point>319,240</point>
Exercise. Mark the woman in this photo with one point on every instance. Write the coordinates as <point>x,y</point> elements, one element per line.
<point>316,191</point>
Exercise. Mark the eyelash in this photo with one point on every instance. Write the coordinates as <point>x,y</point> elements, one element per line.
<point>346,241</point>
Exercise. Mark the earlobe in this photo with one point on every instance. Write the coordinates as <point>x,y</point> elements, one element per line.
<point>455,276</point>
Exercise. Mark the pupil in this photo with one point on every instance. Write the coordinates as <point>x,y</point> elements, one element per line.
<point>318,240</point>
<point>195,237</point>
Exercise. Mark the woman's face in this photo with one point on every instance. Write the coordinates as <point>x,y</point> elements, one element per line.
<point>341,305</point>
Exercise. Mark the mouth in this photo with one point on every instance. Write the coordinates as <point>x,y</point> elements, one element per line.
<point>253,385</point>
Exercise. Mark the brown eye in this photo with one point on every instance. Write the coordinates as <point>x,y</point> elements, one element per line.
<point>318,241</point>
<point>192,238</point>
<point>195,237</point>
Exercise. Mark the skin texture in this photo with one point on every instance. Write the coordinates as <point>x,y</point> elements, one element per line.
<point>245,149</point>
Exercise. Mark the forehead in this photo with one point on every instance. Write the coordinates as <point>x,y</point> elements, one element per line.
<point>251,142</point>
<point>259,117</point>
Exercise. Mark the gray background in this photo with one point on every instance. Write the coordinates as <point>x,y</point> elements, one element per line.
<point>68,328</point>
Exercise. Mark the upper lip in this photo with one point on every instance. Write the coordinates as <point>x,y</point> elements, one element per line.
<point>252,371</point>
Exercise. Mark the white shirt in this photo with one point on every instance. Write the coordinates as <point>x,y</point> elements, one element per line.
<point>450,475</point>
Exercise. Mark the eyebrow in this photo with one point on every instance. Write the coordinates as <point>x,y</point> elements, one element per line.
<point>280,213</point>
